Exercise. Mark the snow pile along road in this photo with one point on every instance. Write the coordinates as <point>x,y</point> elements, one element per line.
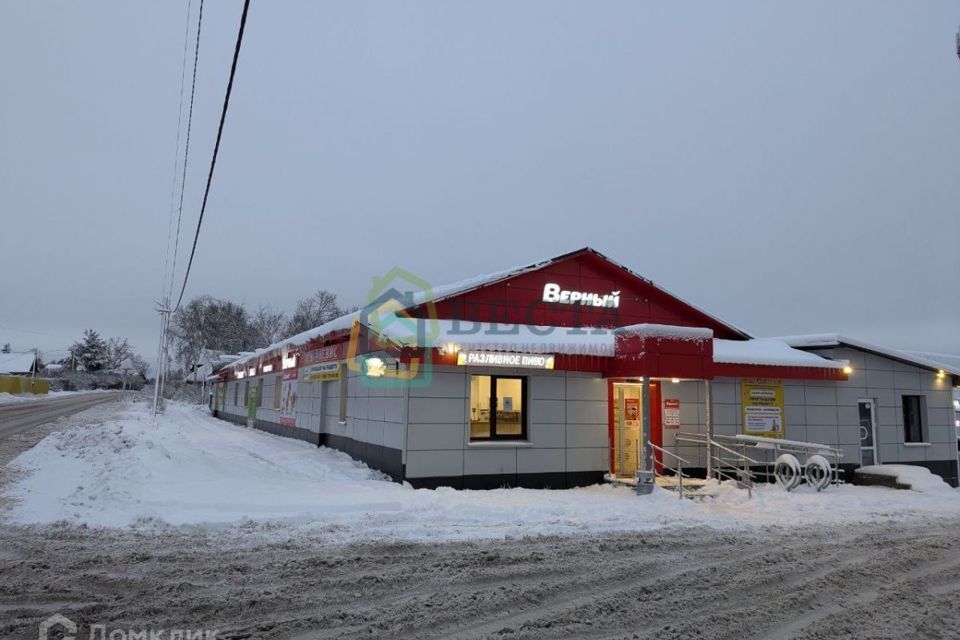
<point>192,469</point>
<point>11,398</point>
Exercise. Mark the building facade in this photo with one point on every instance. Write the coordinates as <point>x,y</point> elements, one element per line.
<point>561,372</point>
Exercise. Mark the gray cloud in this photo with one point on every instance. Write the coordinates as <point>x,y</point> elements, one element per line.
<point>791,167</point>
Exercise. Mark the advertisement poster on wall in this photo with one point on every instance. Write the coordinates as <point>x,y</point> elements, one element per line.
<point>671,413</point>
<point>288,398</point>
<point>251,406</point>
<point>762,402</point>
<point>322,372</point>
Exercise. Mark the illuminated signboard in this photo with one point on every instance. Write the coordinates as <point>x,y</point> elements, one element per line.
<point>321,372</point>
<point>552,292</point>
<point>505,359</point>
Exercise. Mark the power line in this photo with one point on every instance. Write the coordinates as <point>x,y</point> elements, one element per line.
<point>186,149</point>
<point>176,157</point>
<point>216,148</point>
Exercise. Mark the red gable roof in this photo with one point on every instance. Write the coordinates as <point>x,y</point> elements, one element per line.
<point>515,296</point>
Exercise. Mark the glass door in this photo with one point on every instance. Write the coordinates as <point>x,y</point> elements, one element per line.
<point>627,430</point>
<point>868,432</point>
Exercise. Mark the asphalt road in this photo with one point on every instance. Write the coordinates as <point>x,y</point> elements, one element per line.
<point>18,416</point>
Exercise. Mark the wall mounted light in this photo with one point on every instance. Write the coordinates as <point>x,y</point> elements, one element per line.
<point>252,371</point>
<point>240,374</point>
<point>374,367</point>
<point>450,348</point>
<point>941,374</point>
<point>674,380</point>
<point>848,369</point>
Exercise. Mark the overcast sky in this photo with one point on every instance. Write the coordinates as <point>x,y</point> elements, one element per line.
<point>789,167</point>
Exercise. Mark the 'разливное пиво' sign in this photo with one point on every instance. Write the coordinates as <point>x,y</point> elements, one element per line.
<point>505,359</point>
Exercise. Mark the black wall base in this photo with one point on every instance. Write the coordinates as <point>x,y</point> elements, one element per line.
<point>549,480</point>
<point>384,459</point>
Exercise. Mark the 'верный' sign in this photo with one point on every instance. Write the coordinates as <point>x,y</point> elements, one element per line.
<point>505,359</point>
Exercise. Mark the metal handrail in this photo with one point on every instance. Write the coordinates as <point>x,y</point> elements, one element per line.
<point>669,453</point>
<point>679,468</point>
<point>745,477</point>
<point>743,457</point>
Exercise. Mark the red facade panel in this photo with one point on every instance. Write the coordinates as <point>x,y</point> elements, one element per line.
<point>518,299</point>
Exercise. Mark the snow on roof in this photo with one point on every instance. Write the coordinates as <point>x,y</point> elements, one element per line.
<point>769,351</point>
<point>815,340</point>
<point>343,322</point>
<point>945,360</point>
<point>455,288</point>
<point>16,362</point>
<point>666,331</point>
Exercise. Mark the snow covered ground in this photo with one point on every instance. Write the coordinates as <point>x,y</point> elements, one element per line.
<point>10,398</point>
<point>192,470</point>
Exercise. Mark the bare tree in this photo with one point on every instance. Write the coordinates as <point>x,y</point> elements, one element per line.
<point>120,349</point>
<point>269,325</point>
<point>314,311</point>
<point>208,323</point>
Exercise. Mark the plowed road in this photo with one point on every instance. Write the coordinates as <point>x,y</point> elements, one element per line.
<point>17,416</point>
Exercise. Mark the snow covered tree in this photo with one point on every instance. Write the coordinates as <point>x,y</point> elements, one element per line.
<point>91,352</point>
<point>208,323</point>
<point>120,350</point>
<point>269,325</point>
<point>314,311</point>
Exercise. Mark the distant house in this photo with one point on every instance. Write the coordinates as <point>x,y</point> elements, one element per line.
<point>210,362</point>
<point>52,370</point>
<point>18,363</point>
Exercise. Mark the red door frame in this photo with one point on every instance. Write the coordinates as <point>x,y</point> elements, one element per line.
<point>656,421</point>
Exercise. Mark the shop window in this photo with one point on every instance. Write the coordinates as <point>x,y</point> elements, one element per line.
<point>277,387</point>
<point>498,408</point>
<point>914,419</point>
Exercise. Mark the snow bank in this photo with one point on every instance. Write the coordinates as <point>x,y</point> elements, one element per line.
<point>10,398</point>
<point>911,476</point>
<point>193,470</point>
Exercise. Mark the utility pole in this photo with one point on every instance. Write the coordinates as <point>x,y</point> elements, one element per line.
<point>164,311</point>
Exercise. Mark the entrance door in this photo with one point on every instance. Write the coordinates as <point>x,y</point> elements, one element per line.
<point>626,426</point>
<point>868,432</point>
<point>627,429</point>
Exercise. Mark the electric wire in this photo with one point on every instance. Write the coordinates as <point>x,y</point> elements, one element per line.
<point>167,274</point>
<point>216,149</point>
<point>186,148</point>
